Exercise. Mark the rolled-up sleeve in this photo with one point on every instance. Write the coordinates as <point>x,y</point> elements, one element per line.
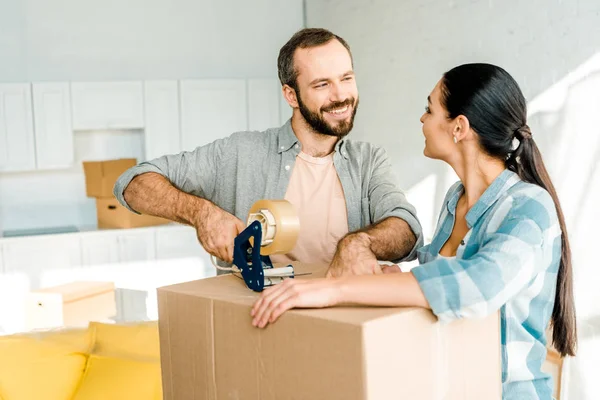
<point>193,172</point>
<point>506,263</point>
<point>387,200</point>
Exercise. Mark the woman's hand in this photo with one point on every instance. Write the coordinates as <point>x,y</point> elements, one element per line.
<point>291,293</point>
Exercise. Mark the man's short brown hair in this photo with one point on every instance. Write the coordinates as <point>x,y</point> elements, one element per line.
<point>305,38</point>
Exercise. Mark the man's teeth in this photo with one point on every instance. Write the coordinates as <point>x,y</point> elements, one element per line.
<point>339,110</point>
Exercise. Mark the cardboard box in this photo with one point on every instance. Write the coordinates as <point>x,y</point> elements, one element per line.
<point>100,176</point>
<point>210,350</point>
<point>70,305</point>
<point>111,214</point>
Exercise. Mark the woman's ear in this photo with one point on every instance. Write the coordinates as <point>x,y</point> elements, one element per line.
<point>462,129</point>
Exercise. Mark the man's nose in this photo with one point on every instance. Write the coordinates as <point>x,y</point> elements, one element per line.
<point>337,94</point>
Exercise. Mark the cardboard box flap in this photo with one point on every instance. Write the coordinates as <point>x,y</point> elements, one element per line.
<point>195,372</point>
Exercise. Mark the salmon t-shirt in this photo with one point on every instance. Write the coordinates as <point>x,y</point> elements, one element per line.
<point>316,192</point>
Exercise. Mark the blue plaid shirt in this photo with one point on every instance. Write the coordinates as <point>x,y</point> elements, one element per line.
<point>508,261</point>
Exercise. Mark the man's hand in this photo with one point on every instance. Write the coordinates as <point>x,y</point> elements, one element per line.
<point>354,257</point>
<point>216,230</point>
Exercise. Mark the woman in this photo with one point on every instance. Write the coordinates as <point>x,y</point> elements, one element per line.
<point>500,243</point>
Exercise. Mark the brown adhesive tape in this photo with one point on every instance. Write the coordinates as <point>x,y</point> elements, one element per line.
<point>286,222</point>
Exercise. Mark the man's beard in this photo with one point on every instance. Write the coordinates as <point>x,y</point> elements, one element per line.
<point>318,123</point>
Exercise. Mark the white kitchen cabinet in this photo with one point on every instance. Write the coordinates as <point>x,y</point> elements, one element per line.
<point>263,104</point>
<point>178,242</point>
<point>107,105</point>
<point>44,259</point>
<point>17,145</point>
<point>13,289</point>
<point>161,107</point>
<point>99,248</point>
<point>53,131</point>
<point>211,109</point>
<point>136,245</point>
<point>1,258</point>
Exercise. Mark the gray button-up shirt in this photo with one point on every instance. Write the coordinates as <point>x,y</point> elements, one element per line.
<point>236,171</point>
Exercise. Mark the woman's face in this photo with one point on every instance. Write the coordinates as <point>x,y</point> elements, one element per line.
<point>437,128</point>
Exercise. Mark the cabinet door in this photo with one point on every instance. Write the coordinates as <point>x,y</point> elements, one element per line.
<point>1,258</point>
<point>211,109</point>
<point>178,242</point>
<point>17,146</point>
<point>53,131</point>
<point>99,248</point>
<point>107,105</point>
<point>161,105</point>
<point>136,245</point>
<point>44,260</point>
<point>14,288</point>
<point>263,104</point>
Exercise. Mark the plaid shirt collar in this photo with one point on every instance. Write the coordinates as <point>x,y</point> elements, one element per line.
<point>499,186</point>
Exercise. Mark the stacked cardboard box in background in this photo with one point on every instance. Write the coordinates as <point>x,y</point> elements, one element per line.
<point>100,178</point>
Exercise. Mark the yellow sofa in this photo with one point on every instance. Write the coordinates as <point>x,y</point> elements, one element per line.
<point>104,361</point>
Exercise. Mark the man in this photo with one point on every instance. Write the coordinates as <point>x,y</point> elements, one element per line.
<point>351,213</point>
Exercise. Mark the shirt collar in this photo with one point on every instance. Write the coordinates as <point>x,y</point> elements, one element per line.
<point>499,187</point>
<point>287,139</point>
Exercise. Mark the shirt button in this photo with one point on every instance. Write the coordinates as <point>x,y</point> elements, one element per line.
<point>282,147</point>
<point>287,167</point>
<point>296,146</point>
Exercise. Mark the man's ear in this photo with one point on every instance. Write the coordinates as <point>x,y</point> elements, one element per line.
<point>462,129</point>
<point>290,95</point>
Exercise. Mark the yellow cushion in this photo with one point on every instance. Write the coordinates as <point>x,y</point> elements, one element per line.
<point>54,362</point>
<point>124,363</point>
<point>120,379</point>
<point>76,338</point>
<point>137,340</point>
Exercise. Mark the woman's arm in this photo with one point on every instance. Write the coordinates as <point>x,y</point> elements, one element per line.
<point>397,289</point>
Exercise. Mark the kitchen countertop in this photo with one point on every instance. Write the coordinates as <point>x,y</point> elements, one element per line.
<point>57,230</point>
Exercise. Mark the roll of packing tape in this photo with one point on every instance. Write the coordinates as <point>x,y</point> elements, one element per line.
<point>280,225</point>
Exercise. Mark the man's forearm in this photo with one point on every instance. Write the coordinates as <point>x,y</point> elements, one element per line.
<point>153,194</point>
<point>389,239</point>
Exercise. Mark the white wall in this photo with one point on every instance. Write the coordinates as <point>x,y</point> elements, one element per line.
<point>84,40</point>
<point>552,48</point>
<point>143,39</point>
